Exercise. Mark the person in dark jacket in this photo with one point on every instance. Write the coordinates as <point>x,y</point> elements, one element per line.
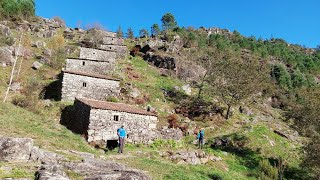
<point>200,139</point>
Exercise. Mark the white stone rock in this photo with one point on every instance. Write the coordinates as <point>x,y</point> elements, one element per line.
<point>187,89</point>
<point>36,65</point>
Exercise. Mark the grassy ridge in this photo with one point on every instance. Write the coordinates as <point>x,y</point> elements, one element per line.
<point>46,131</point>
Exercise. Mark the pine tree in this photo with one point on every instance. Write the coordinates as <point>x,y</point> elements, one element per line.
<point>155,30</point>
<point>168,21</point>
<point>143,33</point>
<point>119,32</point>
<point>130,33</point>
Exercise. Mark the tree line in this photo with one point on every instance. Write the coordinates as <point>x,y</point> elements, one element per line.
<point>168,22</point>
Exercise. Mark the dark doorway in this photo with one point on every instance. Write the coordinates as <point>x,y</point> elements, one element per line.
<point>112,144</point>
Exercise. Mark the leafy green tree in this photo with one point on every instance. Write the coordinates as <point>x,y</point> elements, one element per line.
<point>155,30</point>
<point>306,115</point>
<point>119,32</point>
<point>282,76</point>
<point>17,8</point>
<point>143,33</point>
<point>168,21</point>
<point>130,33</point>
<point>232,80</point>
<point>298,80</point>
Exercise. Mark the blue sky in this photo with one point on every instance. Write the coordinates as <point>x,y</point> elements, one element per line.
<point>296,21</point>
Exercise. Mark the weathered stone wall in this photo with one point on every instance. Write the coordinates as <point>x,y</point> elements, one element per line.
<point>112,41</point>
<point>90,66</point>
<point>96,88</point>
<point>102,127</point>
<point>102,32</point>
<point>120,50</point>
<point>96,54</point>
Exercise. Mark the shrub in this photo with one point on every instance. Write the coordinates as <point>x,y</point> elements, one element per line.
<point>7,40</point>
<point>21,101</point>
<point>281,75</point>
<point>267,171</point>
<point>112,99</point>
<point>140,101</point>
<point>160,143</point>
<point>59,20</point>
<point>17,8</point>
<point>58,59</point>
<point>173,121</point>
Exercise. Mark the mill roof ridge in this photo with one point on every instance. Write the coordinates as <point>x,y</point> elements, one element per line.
<point>121,107</point>
<point>98,49</point>
<point>86,59</point>
<point>91,75</point>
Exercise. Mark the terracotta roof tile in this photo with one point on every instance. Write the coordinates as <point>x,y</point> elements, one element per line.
<point>91,75</point>
<point>115,106</point>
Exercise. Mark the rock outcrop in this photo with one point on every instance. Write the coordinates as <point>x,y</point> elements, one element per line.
<point>190,157</point>
<point>15,149</point>
<point>4,30</point>
<point>166,62</point>
<point>53,166</point>
<point>6,58</point>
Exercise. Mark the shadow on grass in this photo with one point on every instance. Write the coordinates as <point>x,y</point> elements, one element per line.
<point>235,144</point>
<point>67,119</point>
<point>53,90</point>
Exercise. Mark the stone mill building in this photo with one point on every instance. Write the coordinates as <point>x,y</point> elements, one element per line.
<point>86,76</point>
<point>95,86</point>
<point>92,61</point>
<point>99,121</point>
<point>87,82</point>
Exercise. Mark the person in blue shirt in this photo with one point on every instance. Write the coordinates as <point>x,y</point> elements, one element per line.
<point>200,139</point>
<point>122,135</point>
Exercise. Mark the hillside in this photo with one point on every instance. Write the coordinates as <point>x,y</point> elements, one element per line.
<point>176,74</point>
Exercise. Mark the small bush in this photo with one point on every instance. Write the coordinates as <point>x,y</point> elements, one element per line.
<point>173,121</point>
<point>164,144</point>
<point>7,40</point>
<point>112,99</point>
<point>140,101</point>
<point>21,101</point>
<point>267,171</point>
<point>59,20</point>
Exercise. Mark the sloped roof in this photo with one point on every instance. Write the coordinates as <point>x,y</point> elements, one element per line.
<point>91,75</point>
<point>115,106</point>
<point>83,59</point>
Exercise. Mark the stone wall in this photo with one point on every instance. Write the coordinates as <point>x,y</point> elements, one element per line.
<point>102,32</point>
<point>103,127</point>
<point>96,88</point>
<point>90,66</point>
<point>112,41</point>
<point>96,54</point>
<point>120,50</point>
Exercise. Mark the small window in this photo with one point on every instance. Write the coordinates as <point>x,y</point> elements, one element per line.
<point>83,63</point>
<point>110,47</point>
<point>116,118</point>
<point>84,84</point>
